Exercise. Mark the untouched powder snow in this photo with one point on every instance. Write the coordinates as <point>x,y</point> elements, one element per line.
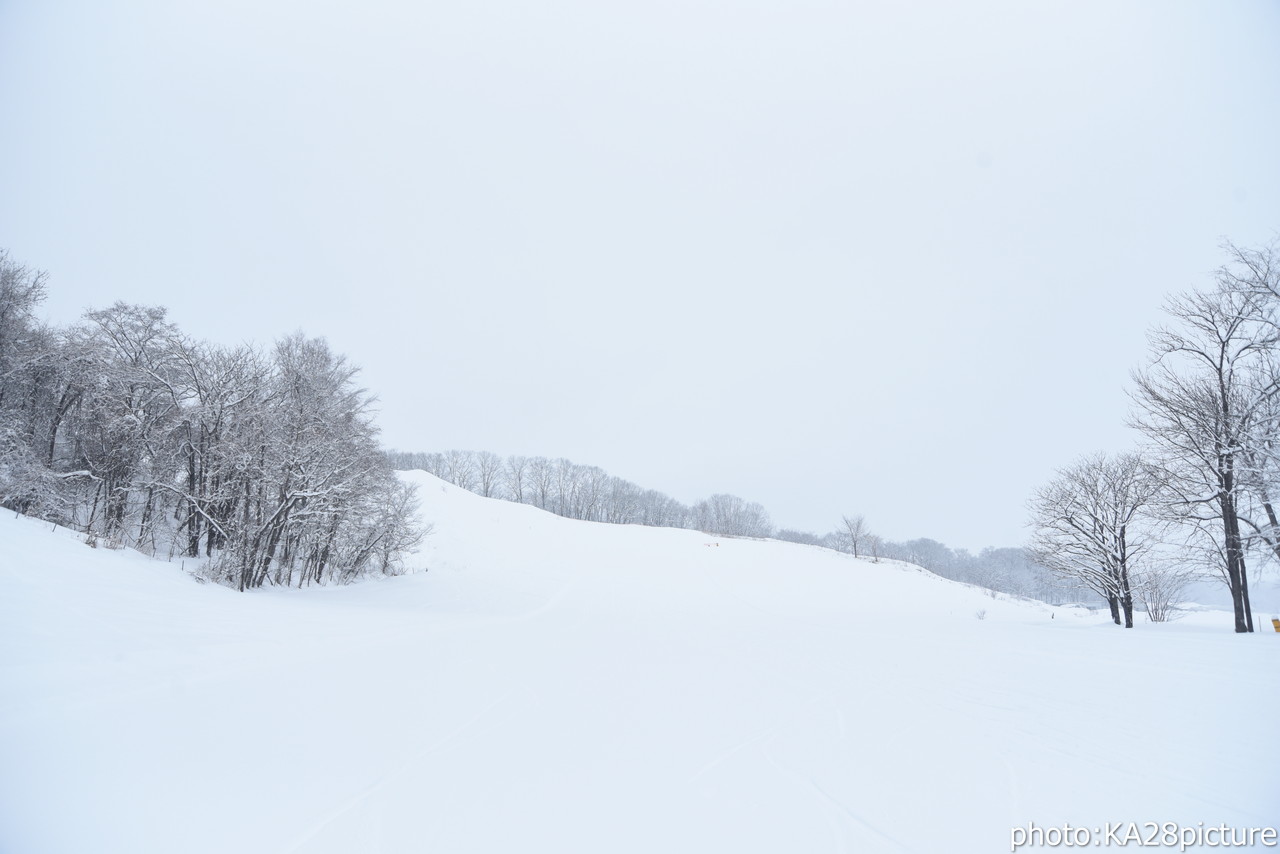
<point>560,686</point>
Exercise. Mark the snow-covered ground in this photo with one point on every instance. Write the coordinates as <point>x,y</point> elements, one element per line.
<point>560,686</point>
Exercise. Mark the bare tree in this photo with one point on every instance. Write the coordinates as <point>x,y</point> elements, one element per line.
<point>460,469</point>
<point>854,532</point>
<point>1255,272</point>
<point>1086,527</point>
<point>623,503</point>
<point>517,475</point>
<point>488,467</point>
<point>542,483</point>
<point>1201,401</point>
<point>1160,586</point>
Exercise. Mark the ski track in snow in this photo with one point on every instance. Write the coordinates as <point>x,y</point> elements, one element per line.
<point>830,803</point>
<point>721,757</point>
<point>399,770</point>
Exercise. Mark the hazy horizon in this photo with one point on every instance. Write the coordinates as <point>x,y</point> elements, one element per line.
<point>837,259</point>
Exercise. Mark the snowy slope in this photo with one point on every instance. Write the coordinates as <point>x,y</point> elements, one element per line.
<point>561,686</point>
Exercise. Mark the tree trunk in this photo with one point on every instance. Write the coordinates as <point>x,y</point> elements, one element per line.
<point>64,405</point>
<point>1126,590</point>
<point>1235,562</point>
<point>193,518</point>
<point>145,526</point>
<point>93,511</point>
<point>1244,593</point>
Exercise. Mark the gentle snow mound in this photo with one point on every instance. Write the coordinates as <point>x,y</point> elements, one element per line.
<point>553,685</point>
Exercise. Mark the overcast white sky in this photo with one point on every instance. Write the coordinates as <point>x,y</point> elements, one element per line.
<point>836,257</point>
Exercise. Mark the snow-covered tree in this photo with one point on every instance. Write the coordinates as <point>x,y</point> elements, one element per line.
<point>1203,401</point>
<point>1088,526</point>
<point>129,430</point>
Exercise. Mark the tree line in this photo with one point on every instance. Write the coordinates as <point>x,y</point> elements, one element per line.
<point>264,463</point>
<point>590,493</point>
<point>1198,497</point>
<point>584,492</point>
<point>1010,570</point>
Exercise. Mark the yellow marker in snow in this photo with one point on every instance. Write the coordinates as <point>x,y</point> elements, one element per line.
<point>1275,623</point>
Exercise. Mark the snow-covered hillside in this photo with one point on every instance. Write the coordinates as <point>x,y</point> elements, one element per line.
<point>560,686</point>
